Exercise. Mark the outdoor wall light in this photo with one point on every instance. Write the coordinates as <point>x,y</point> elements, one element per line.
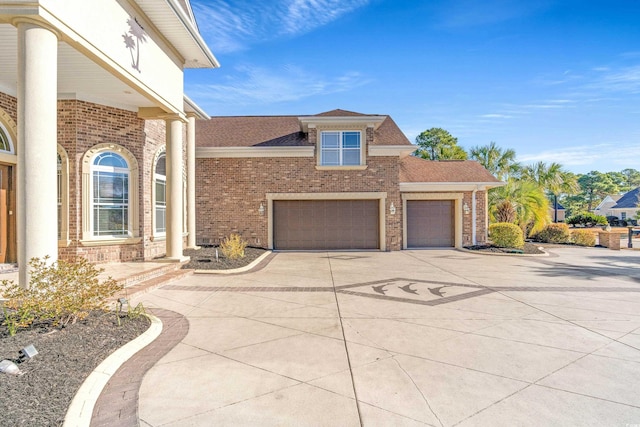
<point>261,209</point>
<point>465,208</point>
<point>27,353</point>
<point>392,209</point>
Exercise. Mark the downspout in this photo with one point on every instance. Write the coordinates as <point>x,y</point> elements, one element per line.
<point>474,217</point>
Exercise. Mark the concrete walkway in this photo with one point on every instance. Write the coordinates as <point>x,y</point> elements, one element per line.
<point>411,338</point>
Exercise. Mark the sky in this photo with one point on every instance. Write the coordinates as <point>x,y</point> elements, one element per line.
<point>555,80</point>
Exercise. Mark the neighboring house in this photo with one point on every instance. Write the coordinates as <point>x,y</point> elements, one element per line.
<point>604,208</point>
<point>559,210</point>
<point>92,126</point>
<point>627,206</point>
<point>335,180</point>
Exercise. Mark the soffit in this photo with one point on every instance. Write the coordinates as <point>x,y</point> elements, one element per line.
<point>78,76</point>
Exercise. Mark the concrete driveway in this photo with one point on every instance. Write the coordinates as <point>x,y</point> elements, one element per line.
<point>411,338</point>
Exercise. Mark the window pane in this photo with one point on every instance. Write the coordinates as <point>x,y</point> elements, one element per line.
<point>4,141</point>
<point>161,222</point>
<point>330,157</point>
<point>351,140</point>
<point>110,187</point>
<point>110,220</point>
<point>161,165</point>
<point>330,139</point>
<point>110,159</point>
<point>161,192</point>
<point>351,157</point>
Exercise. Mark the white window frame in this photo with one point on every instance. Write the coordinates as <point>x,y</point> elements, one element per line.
<point>340,149</point>
<point>88,236</point>
<point>154,200</point>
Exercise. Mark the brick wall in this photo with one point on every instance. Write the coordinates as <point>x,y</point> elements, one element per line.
<point>230,191</point>
<point>9,105</point>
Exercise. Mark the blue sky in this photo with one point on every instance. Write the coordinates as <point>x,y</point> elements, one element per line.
<point>554,80</point>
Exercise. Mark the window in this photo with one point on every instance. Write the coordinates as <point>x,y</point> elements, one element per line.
<point>63,196</point>
<point>5,143</point>
<point>110,195</point>
<point>340,148</point>
<point>160,182</point>
<point>623,216</point>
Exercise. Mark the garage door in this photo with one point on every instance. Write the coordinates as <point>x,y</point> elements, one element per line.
<point>430,223</point>
<point>325,224</point>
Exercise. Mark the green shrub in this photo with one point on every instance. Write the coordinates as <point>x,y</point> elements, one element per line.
<point>583,238</point>
<point>554,233</point>
<point>233,246</point>
<point>58,294</point>
<point>587,219</point>
<point>506,235</point>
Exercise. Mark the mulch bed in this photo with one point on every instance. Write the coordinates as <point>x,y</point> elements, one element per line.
<point>529,248</point>
<point>205,258</point>
<point>65,358</point>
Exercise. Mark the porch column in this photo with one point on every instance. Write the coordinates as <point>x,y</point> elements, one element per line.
<point>191,180</point>
<point>37,224</point>
<point>174,188</point>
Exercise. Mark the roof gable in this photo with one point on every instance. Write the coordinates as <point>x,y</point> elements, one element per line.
<point>629,200</point>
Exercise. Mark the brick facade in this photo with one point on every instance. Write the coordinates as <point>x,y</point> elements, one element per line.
<point>81,126</point>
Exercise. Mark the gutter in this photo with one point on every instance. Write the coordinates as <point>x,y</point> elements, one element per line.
<point>193,32</point>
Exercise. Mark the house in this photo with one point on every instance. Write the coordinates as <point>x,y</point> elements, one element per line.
<point>334,180</point>
<point>557,209</point>
<point>604,208</point>
<point>626,206</point>
<point>93,120</point>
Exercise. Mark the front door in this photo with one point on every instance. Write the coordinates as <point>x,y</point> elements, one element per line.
<point>7,215</point>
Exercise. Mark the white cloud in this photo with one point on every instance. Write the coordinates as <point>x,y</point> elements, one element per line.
<point>621,80</point>
<point>583,155</point>
<point>256,85</point>
<point>232,25</point>
<point>496,116</point>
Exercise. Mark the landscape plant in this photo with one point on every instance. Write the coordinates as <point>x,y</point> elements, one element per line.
<point>59,293</point>
<point>583,238</point>
<point>506,235</point>
<point>233,246</point>
<point>587,219</point>
<point>554,233</point>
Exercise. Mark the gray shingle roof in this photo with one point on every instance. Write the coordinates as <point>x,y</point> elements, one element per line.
<point>629,200</point>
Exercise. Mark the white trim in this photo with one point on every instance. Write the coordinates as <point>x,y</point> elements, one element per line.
<point>446,186</point>
<point>391,150</point>
<point>64,192</point>
<point>243,152</point>
<point>340,121</point>
<point>190,107</point>
<point>154,177</point>
<point>379,195</point>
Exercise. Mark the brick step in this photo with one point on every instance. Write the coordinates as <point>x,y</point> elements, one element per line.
<point>149,274</point>
<point>153,282</point>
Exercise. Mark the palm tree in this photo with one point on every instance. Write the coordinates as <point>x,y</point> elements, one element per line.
<point>501,163</point>
<point>527,200</point>
<point>553,179</point>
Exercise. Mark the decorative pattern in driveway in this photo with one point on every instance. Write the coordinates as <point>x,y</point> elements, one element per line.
<point>412,291</point>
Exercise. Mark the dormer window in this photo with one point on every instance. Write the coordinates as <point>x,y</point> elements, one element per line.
<point>340,148</point>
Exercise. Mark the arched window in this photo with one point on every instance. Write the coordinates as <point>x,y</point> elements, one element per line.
<point>5,142</point>
<point>110,195</point>
<point>63,197</point>
<point>160,183</point>
<point>59,197</point>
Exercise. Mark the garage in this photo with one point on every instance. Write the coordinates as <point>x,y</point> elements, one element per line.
<point>326,224</point>
<point>430,223</point>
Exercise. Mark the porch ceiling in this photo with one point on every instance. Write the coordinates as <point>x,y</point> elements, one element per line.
<point>78,76</point>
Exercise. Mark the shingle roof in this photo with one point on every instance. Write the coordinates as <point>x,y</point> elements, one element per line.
<point>415,169</point>
<point>629,200</point>
<point>273,131</point>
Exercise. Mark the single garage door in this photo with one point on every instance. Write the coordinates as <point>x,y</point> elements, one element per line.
<point>430,223</point>
<point>325,224</point>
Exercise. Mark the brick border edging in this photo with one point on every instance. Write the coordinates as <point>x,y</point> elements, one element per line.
<point>117,405</point>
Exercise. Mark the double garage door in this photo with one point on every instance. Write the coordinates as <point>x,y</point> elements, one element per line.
<point>326,224</point>
<point>430,223</point>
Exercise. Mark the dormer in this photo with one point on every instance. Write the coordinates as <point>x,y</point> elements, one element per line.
<point>341,138</point>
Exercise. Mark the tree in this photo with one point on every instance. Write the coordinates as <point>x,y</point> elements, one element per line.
<point>631,179</point>
<point>553,179</point>
<point>438,144</point>
<point>527,200</point>
<point>595,186</point>
<point>501,163</point>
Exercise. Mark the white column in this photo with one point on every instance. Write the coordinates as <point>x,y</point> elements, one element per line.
<point>37,135</point>
<point>191,181</point>
<point>174,189</point>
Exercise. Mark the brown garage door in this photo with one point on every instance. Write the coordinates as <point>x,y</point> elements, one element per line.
<point>430,223</point>
<point>325,224</point>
